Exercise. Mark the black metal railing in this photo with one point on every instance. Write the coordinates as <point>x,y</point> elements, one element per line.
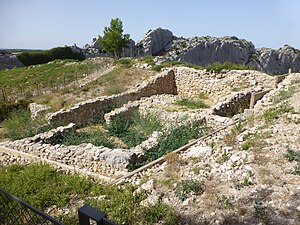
<point>14,211</point>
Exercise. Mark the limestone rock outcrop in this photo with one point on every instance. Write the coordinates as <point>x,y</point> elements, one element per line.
<point>277,61</point>
<point>9,61</point>
<point>155,42</point>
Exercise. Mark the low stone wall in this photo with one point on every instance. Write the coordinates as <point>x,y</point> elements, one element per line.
<point>190,82</point>
<point>84,112</point>
<point>233,104</point>
<point>125,112</point>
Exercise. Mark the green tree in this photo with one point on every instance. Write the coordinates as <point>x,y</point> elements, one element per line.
<point>114,40</point>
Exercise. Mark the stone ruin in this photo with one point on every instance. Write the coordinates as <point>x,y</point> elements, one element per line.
<point>163,90</point>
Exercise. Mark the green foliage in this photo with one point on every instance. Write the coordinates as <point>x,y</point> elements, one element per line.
<point>42,186</point>
<point>191,104</point>
<point>40,57</point>
<point>148,59</point>
<point>176,138</point>
<point>202,95</point>
<point>225,201</point>
<point>284,94</point>
<point>46,75</point>
<point>95,137</point>
<point>114,40</point>
<point>114,89</point>
<point>187,186</point>
<point>160,212</point>
<point>174,63</point>
<point>274,112</point>
<point>135,130</point>
<point>218,67</point>
<point>20,125</point>
<point>292,155</point>
<point>126,62</point>
<point>247,144</point>
<point>6,109</point>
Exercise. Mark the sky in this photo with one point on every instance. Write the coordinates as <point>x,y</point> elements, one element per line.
<point>44,24</point>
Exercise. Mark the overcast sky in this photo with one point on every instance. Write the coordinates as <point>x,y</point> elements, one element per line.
<point>44,24</point>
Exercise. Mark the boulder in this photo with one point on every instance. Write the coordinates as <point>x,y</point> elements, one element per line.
<point>276,61</point>
<point>155,42</point>
<point>208,50</point>
<point>9,61</point>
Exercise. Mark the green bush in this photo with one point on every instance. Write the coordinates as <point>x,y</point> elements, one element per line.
<point>172,140</point>
<point>273,113</point>
<point>148,59</point>
<point>126,62</point>
<point>135,130</point>
<point>187,186</point>
<point>40,57</point>
<point>20,125</point>
<point>6,109</point>
<point>218,67</point>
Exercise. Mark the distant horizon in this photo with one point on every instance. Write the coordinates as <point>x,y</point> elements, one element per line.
<point>42,25</point>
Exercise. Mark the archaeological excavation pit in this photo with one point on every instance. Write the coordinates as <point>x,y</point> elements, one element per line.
<point>113,135</point>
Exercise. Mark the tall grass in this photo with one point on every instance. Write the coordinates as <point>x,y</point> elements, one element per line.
<point>135,130</point>
<point>175,138</point>
<point>42,186</point>
<point>20,125</point>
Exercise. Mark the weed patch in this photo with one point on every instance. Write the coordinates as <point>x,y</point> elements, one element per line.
<point>218,67</point>
<point>20,125</point>
<point>191,104</point>
<point>187,186</point>
<point>42,186</point>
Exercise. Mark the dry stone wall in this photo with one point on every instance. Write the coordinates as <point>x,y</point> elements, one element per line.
<point>84,112</point>
<point>190,82</point>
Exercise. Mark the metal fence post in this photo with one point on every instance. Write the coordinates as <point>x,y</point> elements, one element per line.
<point>86,212</point>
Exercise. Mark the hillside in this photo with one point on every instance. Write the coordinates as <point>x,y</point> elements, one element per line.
<point>235,133</point>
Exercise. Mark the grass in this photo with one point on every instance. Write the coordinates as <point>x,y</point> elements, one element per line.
<point>48,76</point>
<point>93,136</point>
<point>284,94</point>
<point>274,113</point>
<point>42,186</point>
<point>148,59</point>
<point>135,130</point>
<point>172,140</point>
<point>191,104</point>
<point>218,67</point>
<point>130,131</point>
<point>174,63</point>
<point>126,62</point>
<point>20,125</point>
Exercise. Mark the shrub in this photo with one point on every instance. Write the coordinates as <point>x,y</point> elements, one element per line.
<point>176,138</point>
<point>6,109</point>
<point>40,57</point>
<point>126,62</point>
<point>218,67</point>
<point>274,113</point>
<point>174,63</point>
<point>148,59</point>
<point>187,186</point>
